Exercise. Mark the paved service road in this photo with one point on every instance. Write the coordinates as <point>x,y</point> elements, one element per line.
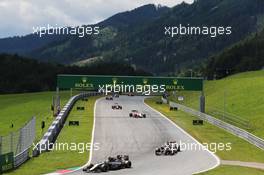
<point>117,133</point>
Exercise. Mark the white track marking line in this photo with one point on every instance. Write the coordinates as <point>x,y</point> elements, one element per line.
<point>92,140</point>
<point>216,157</point>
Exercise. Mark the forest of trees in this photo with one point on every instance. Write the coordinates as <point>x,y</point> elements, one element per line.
<point>26,75</point>
<point>247,55</point>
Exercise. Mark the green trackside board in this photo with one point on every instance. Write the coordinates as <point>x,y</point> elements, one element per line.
<point>92,82</point>
<point>6,162</point>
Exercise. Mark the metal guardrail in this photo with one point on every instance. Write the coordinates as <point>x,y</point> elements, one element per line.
<point>221,124</point>
<point>21,158</point>
<point>233,119</point>
<point>51,135</point>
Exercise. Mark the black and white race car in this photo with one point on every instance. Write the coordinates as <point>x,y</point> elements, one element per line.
<point>116,106</point>
<point>169,148</point>
<point>136,114</point>
<point>109,98</point>
<point>112,163</point>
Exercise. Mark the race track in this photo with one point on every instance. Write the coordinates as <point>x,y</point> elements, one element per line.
<point>117,133</point>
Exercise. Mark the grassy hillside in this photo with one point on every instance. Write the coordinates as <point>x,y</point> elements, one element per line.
<point>241,95</point>
<point>20,108</point>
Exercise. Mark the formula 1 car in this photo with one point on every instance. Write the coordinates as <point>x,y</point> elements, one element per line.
<point>130,94</point>
<point>169,148</point>
<point>116,95</point>
<point>112,163</point>
<point>116,106</point>
<point>109,98</point>
<point>136,114</point>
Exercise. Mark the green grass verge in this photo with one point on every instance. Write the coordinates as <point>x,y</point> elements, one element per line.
<point>241,150</point>
<point>63,159</point>
<point>234,170</point>
<point>243,97</point>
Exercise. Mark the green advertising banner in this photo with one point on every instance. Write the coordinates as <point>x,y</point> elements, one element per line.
<point>6,162</point>
<point>94,82</point>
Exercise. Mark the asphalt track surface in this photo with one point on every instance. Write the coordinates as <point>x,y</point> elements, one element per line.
<point>117,133</point>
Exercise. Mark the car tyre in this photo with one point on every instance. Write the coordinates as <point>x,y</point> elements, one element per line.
<point>128,164</point>
<point>104,167</point>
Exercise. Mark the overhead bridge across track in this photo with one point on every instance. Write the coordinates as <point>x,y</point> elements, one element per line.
<point>96,82</point>
<point>93,82</point>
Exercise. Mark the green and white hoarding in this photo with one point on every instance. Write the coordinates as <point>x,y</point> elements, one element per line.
<point>94,82</point>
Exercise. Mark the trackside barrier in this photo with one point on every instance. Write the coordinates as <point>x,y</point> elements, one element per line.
<point>221,124</point>
<point>19,142</point>
<point>56,126</point>
<point>21,158</point>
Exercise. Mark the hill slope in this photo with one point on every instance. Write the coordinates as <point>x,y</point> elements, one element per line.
<point>137,37</point>
<point>241,94</point>
<point>146,46</point>
<point>30,45</point>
